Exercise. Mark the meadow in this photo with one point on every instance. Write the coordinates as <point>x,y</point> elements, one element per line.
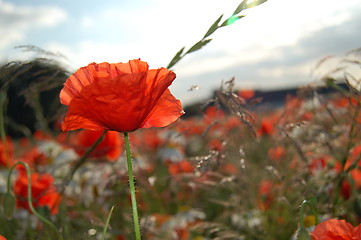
<point>236,168</point>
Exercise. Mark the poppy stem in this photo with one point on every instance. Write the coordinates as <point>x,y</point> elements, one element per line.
<point>302,214</point>
<point>132,187</point>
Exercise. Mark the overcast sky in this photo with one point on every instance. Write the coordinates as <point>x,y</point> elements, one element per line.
<point>276,45</point>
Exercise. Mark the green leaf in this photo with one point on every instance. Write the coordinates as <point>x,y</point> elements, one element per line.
<point>213,28</point>
<point>107,222</point>
<point>199,45</point>
<point>241,6</point>
<point>255,3</point>
<point>176,58</point>
<point>244,5</point>
<point>231,20</point>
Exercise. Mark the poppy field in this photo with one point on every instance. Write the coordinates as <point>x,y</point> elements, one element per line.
<point>107,152</point>
<point>237,169</point>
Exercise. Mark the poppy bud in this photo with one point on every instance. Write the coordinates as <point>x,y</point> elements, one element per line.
<point>9,204</point>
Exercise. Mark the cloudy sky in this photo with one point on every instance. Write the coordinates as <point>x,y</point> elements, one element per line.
<point>276,45</point>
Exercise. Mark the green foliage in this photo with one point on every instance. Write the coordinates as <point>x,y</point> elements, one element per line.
<point>176,58</point>
<point>198,45</point>
<point>232,20</point>
<point>201,43</point>
<point>213,28</point>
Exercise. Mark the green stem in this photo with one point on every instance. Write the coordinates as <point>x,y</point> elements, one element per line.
<point>302,214</point>
<point>107,223</point>
<point>30,199</point>
<point>132,187</point>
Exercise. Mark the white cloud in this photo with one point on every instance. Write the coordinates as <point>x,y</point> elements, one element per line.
<point>16,21</point>
<point>87,21</point>
<point>155,31</point>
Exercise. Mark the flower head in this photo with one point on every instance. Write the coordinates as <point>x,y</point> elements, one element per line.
<point>43,192</point>
<point>336,229</point>
<point>121,97</point>
<point>109,147</point>
<point>6,153</point>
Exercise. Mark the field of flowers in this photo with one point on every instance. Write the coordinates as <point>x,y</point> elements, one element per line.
<point>236,168</point>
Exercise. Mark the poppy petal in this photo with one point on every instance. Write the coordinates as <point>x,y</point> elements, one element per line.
<point>86,75</point>
<point>333,229</point>
<point>120,97</point>
<point>357,232</point>
<point>167,110</point>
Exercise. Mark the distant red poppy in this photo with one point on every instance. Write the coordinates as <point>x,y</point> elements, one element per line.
<point>215,144</point>
<point>109,147</point>
<point>246,93</point>
<point>340,102</point>
<point>354,159</point>
<point>212,113</point>
<point>346,189</point>
<point>336,229</point>
<point>318,164</point>
<point>34,157</point>
<point>2,237</point>
<point>266,128</point>
<point>40,135</point>
<point>43,192</point>
<point>276,153</point>
<point>180,167</point>
<point>121,97</point>
<point>307,116</point>
<point>232,122</point>
<point>150,139</point>
<point>265,197</point>
<point>230,168</point>
<point>191,127</point>
<point>6,153</point>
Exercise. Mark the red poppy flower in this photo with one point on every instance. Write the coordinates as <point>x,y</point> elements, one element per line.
<point>266,128</point>
<point>6,153</point>
<point>336,229</point>
<point>150,139</point>
<point>121,97</point>
<point>246,93</point>
<point>34,157</point>
<point>42,190</point>
<point>276,153</point>
<point>354,158</point>
<point>211,114</point>
<point>180,167</point>
<point>265,194</point>
<point>215,144</point>
<point>319,164</point>
<point>2,237</point>
<point>109,147</point>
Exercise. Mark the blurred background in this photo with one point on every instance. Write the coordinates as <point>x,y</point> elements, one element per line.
<point>276,45</point>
